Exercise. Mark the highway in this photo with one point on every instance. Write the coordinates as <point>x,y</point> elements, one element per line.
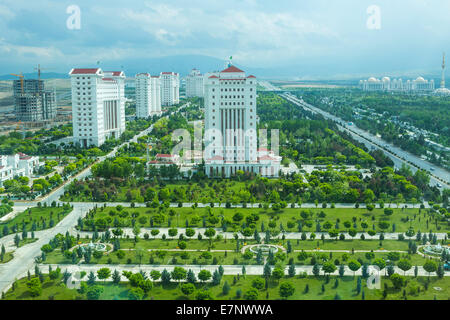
<point>438,176</point>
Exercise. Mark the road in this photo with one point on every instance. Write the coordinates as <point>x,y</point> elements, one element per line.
<point>24,257</point>
<point>228,269</point>
<point>438,176</point>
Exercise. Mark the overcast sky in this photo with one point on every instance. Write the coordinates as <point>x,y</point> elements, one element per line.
<point>329,35</point>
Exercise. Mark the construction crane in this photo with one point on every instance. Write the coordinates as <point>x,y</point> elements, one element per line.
<point>39,69</point>
<point>21,79</point>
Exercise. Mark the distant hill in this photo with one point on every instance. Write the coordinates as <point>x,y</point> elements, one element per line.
<point>311,70</point>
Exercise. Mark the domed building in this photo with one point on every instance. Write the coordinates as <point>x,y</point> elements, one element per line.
<point>386,84</point>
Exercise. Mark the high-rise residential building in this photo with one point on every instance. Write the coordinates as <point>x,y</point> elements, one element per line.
<point>195,84</point>
<point>148,95</point>
<point>170,88</point>
<point>230,126</point>
<point>33,102</point>
<point>98,105</point>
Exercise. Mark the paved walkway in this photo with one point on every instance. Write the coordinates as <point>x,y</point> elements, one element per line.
<point>228,269</point>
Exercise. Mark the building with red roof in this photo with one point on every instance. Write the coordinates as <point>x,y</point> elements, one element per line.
<point>98,105</point>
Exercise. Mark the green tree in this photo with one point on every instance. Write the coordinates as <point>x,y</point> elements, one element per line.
<point>286,290</point>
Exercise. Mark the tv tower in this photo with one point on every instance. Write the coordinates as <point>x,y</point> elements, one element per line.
<point>443,72</point>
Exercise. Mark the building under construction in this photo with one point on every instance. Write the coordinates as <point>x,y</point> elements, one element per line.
<point>32,101</point>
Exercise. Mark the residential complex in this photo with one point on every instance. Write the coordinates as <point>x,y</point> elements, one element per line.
<point>195,84</point>
<point>230,126</point>
<point>148,95</point>
<point>170,88</point>
<point>17,165</point>
<point>32,101</point>
<point>98,105</point>
<point>386,84</point>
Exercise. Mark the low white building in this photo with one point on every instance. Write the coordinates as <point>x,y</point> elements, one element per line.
<point>17,165</point>
<point>386,84</point>
<point>195,84</point>
<point>170,88</point>
<point>148,95</point>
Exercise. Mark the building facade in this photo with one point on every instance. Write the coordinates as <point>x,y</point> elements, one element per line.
<point>148,95</point>
<point>385,84</point>
<point>170,88</point>
<point>230,125</point>
<point>195,84</point>
<point>17,165</point>
<point>98,105</point>
<point>33,102</point>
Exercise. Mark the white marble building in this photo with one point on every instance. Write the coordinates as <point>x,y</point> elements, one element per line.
<point>17,165</point>
<point>386,84</point>
<point>195,84</point>
<point>98,105</point>
<point>148,95</point>
<point>230,126</point>
<point>170,88</point>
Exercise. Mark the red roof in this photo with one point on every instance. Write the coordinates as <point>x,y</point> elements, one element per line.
<point>155,76</point>
<point>213,76</point>
<point>168,72</point>
<point>263,149</point>
<point>163,155</point>
<point>115,73</point>
<point>266,158</point>
<point>108,79</point>
<point>143,74</point>
<point>85,71</point>
<point>251,76</point>
<point>216,158</point>
<point>232,69</point>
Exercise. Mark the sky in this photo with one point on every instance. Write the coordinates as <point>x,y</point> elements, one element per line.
<point>329,38</point>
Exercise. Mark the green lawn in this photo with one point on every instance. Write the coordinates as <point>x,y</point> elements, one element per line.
<point>8,257</point>
<point>42,217</point>
<point>346,289</point>
<point>138,253</point>
<point>286,219</point>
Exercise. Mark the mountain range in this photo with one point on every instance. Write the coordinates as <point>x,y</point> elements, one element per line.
<point>183,64</point>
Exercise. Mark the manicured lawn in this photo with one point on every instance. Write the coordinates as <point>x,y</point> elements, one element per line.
<point>346,289</point>
<point>42,217</point>
<point>8,257</point>
<point>287,219</point>
<point>138,253</point>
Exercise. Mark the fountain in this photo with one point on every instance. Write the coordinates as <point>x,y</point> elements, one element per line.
<point>93,247</point>
<point>435,250</point>
<point>264,248</point>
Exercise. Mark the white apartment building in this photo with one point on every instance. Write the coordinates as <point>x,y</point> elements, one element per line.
<point>98,105</point>
<point>17,165</point>
<point>170,88</point>
<point>230,126</point>
<point>195,84</point>
<point>148,95</point>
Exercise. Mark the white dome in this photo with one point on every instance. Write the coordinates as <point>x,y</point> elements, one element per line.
<point>420,79</point>
<point>372,79</point>
<point>442,91</point>
<point>386,79</point>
